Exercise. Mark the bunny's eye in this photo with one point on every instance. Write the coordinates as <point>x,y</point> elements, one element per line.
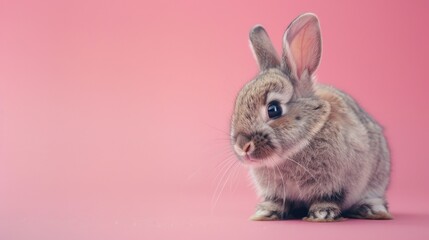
<point>274,110</point>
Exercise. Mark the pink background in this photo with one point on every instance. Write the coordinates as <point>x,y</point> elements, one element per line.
<point>114,115</point>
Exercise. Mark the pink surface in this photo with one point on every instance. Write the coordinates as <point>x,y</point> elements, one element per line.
<point>114,115</point>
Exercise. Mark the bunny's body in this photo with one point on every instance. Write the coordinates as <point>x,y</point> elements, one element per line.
<point>308,146</point>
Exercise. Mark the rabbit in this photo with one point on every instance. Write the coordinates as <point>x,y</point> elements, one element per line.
<point>310,149</point>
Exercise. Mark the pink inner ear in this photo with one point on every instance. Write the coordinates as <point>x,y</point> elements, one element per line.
<point>304,44</point>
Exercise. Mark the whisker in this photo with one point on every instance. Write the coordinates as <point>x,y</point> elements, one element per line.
<point>228,170</point>
<point>268,178</point>
<point>222,166</point>
<point>217,149</point>
<point>304,168</point>
<point>222,139</point>
<point>298,164</point>
<point>283,186</point>
<point>218,129</point>
<point>222,155</point>
<point>234,165</point>
<point>227,156</point>
<point>222,172</point>
<point>236,178</point>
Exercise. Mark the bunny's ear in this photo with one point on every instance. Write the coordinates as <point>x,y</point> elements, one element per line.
<point>263,49</point>
<point>302,46</point>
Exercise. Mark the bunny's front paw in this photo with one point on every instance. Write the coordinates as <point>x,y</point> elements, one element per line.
<point>269,211</point>
<point>323,212</point>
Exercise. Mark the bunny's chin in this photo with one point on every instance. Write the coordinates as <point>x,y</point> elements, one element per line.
<point>269,161</point>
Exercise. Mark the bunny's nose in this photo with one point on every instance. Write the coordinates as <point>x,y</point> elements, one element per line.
<point>244,146</point>
<point>248,147</point>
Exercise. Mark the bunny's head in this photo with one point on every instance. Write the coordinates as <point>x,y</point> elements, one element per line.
<point>277,113</point>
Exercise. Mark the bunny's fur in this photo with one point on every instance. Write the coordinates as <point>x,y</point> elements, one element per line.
<point>325,157</point>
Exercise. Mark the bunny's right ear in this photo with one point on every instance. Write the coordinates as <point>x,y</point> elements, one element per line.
<point>263,49</point>
<point>302,46</point>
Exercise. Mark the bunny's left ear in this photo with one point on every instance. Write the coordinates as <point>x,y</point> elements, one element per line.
<point>302,46</point>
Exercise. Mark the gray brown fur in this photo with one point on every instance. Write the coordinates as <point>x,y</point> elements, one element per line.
<point>325,154</point>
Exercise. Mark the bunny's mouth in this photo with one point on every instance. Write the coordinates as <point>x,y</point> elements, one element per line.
<point>252,161</point>
<point>248,159</point>
<point>253,153</point>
